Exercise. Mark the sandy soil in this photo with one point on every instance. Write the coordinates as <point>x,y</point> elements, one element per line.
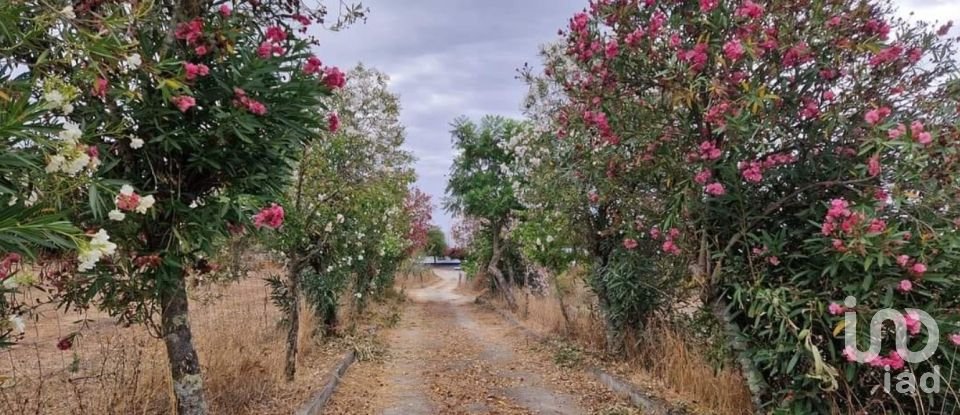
<point>449,356</point>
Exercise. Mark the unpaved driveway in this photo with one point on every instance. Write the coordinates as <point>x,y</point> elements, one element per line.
<point>449,356</point>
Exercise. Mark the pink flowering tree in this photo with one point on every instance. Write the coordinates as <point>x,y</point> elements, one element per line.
<point>172,124</point>
<point>792,153</point>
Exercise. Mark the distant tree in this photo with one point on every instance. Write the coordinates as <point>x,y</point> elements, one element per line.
<point>436,243</point>
<point>482,181</point>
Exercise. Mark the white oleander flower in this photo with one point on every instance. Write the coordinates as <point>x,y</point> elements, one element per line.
<point>136,143</point>
<point>134,61</point>
<point>145,204</point>
<point>71,132</point>
<point>116,215</point>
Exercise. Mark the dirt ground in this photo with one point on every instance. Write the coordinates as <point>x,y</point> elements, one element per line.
<point>449,356</point>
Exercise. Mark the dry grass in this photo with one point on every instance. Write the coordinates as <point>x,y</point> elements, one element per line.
<point>663,358</point>
<point>116,370</point>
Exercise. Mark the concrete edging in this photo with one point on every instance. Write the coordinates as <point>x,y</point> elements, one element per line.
<point>640,398</point>
<point>319,401</point>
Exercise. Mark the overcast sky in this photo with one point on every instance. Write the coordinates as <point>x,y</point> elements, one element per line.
<point>448,58</point>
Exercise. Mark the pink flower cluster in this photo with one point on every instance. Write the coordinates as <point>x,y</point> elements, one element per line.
<point>334,122</point>
<point>190,32</point>
<point>876,115</point>
<point>599,120</point>
<point>706,6</point>
<point>6,266</point>
<point>669,245</point>
<point>708,151</point>
<point>696,57</point>
<point>183,102</point>
<point>752,171</point>
<point>334,78</point>
<point>313,66</point>
<point>733,50</point>
<point>840,217</point>
<point>893,360</point>
<point>99,89</point>
<point>797,55</point>
<point>762,251</point>
<point>715,189</point>
<point>886,55</point>
<point>630,243</point>
<point>193,70</point>
<point>271,217</point>
<point>749,10</point>
<point>912,266</point>
<point>273,45</point>
<point>241,100</point>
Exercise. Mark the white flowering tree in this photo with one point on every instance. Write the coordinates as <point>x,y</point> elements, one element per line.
<point>165,123</point>
<point>344,210</point>
<point>27,228</point>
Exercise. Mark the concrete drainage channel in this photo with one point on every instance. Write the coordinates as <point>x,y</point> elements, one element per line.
<point>645,401</point>
<point>315,405</point>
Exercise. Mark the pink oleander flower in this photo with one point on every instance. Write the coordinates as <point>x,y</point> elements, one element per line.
<point>733,50</point>
<point>269,49</point>
<point>918,269</point>
<point>715,189</point>
<point>256,107</point>
<point>183,102</point>
<point>276,34</point>
<point>630,244</point>
<point>897,131</point>
<point>749,9</point>
<point>874,116</point>
<point>271,217</point>
<point>752,171</point>
<point>225,10</point>
<point>707,5</point>
<point>873,166</point>
<point>201,50</point>
<point>612,49</point>
<point>313,65</point>
<point>100,86</point>
<point>303,20</point>
<point>905,286</point>
<point>796,55</point>
<point>673,233</point>
<point>955,339</point>
<point>190,31</point>
<point>709,151</point>
<point>913,322</point>
<point>671,248</point>
<point>773,260</point>
<point>877,226</point>
<point>655,232</point>
<point>334,122</point>
<point>703,176</point>
<point>839,246</point>
<point>835,309</point>
<point>193,71</point>
<point>850,354</point>
<point>893,360</point>
<point>903,261</point>
<point>333,78</point>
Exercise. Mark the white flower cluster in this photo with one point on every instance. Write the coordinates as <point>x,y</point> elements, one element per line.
<point>72,157</point>
<point>59,95</point>
<point>98,247</point>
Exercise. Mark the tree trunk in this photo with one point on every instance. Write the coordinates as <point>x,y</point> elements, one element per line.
<point>495,271</point>
<point>182,356</point>
<point>563,310</point>
<point>293,332</point>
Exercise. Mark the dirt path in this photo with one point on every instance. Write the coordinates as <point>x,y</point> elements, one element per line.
<point>449,356</point>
